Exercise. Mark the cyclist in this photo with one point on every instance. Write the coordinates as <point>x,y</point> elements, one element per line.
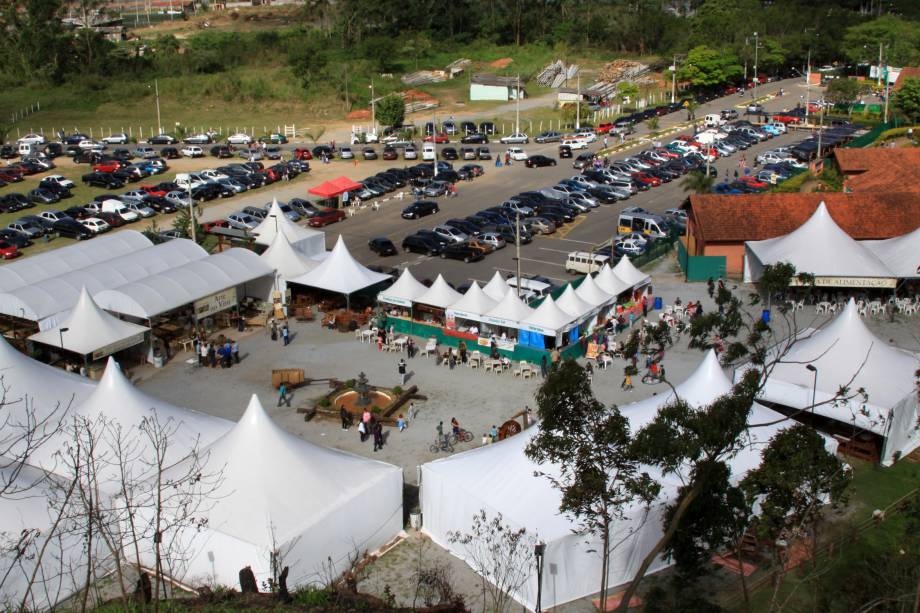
<point>455,426</point>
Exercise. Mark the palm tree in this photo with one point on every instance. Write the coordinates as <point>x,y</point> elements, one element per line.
<point>698,183</point>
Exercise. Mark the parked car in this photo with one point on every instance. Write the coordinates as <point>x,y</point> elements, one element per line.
<point>193,151</point>
<point>170,153</point>
<point>102,179</point>
<point>162,139</point>
<point>518,138</point>
<point>15,238</point>
<point>421,243</point>
<point>30,228</point>
<point>538,161</point>
<point>239,139</point>
<point>420,208</point>
<point>549,136</point>
<point>483,153</point>
<point>382,246</point>
<point>41,195</point>
<point>71,228</point>
<point>326,217</point>
<point>474,138</point>
<point>461,251</point>
<point>221,151</point>
<point>242,221</point>
<point>450,233</point>
<point>368,153</point>
<point>95,225</point>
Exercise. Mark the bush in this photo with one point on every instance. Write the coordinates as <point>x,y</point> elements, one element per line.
<point>312,598</point>
<point>324,402</point>
<point>376,410</point>
<point>350,383</point>
<point>398,390</point>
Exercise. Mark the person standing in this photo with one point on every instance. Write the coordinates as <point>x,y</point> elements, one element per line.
<point>362,431</point>
<point>378,436</point>
<point>346,417</point>
<point>493,433</point>
<point>282,394</point>
<point>212,356</point>
<point>440,432</point>
<point>286,335</point>
<point>274,330</point>
<point>236,352</point>
<point>366,420</point>
<point>543,366</point>
<point>627,385</point>
<point>401,368</point>
<point>202,353</point>
<point>400,423</point>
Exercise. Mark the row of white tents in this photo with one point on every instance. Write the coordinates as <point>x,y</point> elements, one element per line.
<point>497,304</point>
<point>822,248</point>
<point>309,502</point>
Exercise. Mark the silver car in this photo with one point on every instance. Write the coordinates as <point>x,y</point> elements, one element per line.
<point>493,239</point>
<point>233,184</point>
<point>539,225</point>
<point>141,209</point>
<point>585,199</point>
<point>177,198</point>
<point>452,234</point>
<point>242,221</point>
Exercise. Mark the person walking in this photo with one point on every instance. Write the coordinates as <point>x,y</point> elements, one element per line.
<point>400,423</point>
<point>401,368</point>
<point>378,436</point>
<point>543,366</point>
<point>366,420</point>
<point>274,330</point>
<point>627,385</point>
<point>283,395</point>
<point>286,335</point>
<point>212,356</point>
<point>362,431</point>
<point>346,417</point>
<point>202,353</point>
<point>236,352</point>
<point>440,432</point>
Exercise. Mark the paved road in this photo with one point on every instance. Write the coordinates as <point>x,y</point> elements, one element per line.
<point>545,255</point>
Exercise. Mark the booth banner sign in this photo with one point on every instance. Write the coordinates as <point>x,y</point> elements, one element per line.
<point>504,344</point>
<point>394,300</point>
<point>484,342</point>
<point>117,346</point>
<point>540,330</point>
<point>879,282</point>
<point>450,322</point>
<point>221,301</point>
<point>505,323</point>
<point>451,314</point>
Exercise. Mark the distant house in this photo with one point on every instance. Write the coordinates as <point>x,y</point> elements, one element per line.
<point>568,95</point>
<point>879,168</point>
<point>494,87</point>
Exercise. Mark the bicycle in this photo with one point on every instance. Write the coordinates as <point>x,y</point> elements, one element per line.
<point>464,436</point>
<point>442,444</point>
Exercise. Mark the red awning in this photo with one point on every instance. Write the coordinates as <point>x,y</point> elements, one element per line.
<point>334,187</point>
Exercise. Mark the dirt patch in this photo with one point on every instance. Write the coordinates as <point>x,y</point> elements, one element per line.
<point>501,63</point>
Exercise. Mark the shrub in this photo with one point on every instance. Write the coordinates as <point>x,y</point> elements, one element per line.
<point>324,402</point>
<point>376,410</point>
<point>398,390</point>
<point>311,598</point>
<point>350,383</point>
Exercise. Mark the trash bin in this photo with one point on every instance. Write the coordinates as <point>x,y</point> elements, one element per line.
<point>765,316</point>
<point>658,303</point>
<point>415,520</point>
<point>158,361</point>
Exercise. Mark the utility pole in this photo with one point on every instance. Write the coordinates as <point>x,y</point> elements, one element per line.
<point>807,85</point>
<point>578,102</point>
<point>156,89</point>
<point>674,80</point>
<point>878,73</point>
<point>517,248</point>
<point>887,93</point>
<point>373,108</point>
<point>756,47</point>
<point>820,131</point>
<point>347,101</point>
<point>434,142</point>
<point>517,106</point>
<point>191,211</point>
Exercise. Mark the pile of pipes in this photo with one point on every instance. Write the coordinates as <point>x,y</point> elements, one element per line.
<point>557,74</point>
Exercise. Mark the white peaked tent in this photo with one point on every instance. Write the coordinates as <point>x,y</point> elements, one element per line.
<point>340,273</point>
<point>404,292</point>
<point>900,254</point>
<point>115,399</point>
<point>573,304</point>
<point>548,319</point>
<point>474,304</point>
<point>509,312</point>
<point>280,492</point>
<point>440,294</point>
<point>630,274</point>
<point>610,282</point>
<point>819,247</point>
<point>497,287</point>
<point>500,478</point>
<point>91,331</point>
<point>287,262</point>
<point>36,390</point>
<point>305,240</point>
<point>590,292</point>
<point>845,352</point>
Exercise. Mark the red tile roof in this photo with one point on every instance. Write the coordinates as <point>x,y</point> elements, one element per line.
<point>752,217</point>
<point>880,168</point>
<point>908,72</point>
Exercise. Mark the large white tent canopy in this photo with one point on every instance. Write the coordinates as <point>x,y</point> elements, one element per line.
<point>630,274</point>
<point>90,330</point>
<point>846,353</point>
<point>821,248</point>
<point>287,262</point>
<point>68,259</point>
<point>312,503</point>
<point>610,282</point>
<point>548,319</point>
<point>440,294</point>
<point>157,294</point>
<point>900,254</point>
<point>590,292</point>
<point>340,273</point>
<point>497,287</point>
<point>509,312</point>
<point>473,305</point>
<point>500,478</point>
<point>308,241</point>
<point>49,300</point>
<point>404,292</point>
<point>573,304</point>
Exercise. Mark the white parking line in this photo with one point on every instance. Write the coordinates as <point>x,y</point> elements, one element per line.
<point>553,250</point>
<point>543,262</point>
<point>571,240</point>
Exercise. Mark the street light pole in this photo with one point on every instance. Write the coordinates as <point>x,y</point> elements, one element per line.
<point>756,48</point>
<point>191,211</point>
<point>674,80</point>
<point>878,72</point>
<point>814,387</point>
<point>577,102</point>
<point>517,248</point>
<point>61,332</point>
<point>156,89</point>
<point>373,109</point>
<point>434,143</point>
<point>517,106</point>
<point>539,551</point>
<point>807,85</point>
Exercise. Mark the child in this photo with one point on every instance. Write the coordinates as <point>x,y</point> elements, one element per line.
<point>400,423</point>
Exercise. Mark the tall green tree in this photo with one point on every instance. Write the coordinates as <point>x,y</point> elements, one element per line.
<point>588,445</point>
<point>705,67</point>
<point>697,183</point>
<point>900,40</point>
<point>391,110</point>
<point>907,99</point>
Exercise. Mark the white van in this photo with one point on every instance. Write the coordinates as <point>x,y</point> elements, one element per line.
<point>119,208</point>
<point>713,120</point>
<point>27,149</point>
<point>530,289</point>
<point>585,262</point>
<point>428,152</point>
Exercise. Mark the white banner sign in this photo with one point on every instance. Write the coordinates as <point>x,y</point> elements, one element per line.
<point>221,301</point>
<point>117,346</point>
<point>878,282</point>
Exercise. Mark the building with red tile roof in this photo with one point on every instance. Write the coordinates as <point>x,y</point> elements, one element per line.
<point>908,72</point>
<point>879,168</point>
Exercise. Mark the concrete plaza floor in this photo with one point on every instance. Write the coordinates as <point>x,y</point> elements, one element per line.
<point>476,398</point>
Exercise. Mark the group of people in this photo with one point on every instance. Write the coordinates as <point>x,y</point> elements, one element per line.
<point>210,354</point>
<point>283,331</point>
<point>368,426</point>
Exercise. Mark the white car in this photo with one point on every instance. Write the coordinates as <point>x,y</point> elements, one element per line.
<point>587,136</point>
<point>517,154</point>
<point>239,139</point>
<point>141,209</point>
<point>575,143</point>
<point>215,175</point>
<point>192,151</point>
<point>32,139</point>
<point>90,145</point>
<point>409,153</point>
<point>518,138</point>
<point>116,139</point>
<point>60,180</point>
<point>95,225</point>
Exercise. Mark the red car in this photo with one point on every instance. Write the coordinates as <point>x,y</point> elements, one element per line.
<point>107,166</point>
<point>8,251</point>
<point>326,217</point>
<point>439,138</point>
<point>154,190</point>
<point>10,175</point>
<point>604,128</point>
<point>787,118</point>
<point>22,169</point>
<point>753,182</point>
<point>220,223</point>
<point>647,179</point>
<point>113,219</point>
<point>302,154</point>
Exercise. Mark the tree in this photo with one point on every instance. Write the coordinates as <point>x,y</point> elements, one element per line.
<point>502,555</point>
<point>391,110</point>
<point>588,445</point>
<point>705,67</point>
<point>900,38</point>
<point>698,183</point>
<point>628,92</point>
<point>907,99</point>
<point>843,91</point>
<point>380,51</point>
